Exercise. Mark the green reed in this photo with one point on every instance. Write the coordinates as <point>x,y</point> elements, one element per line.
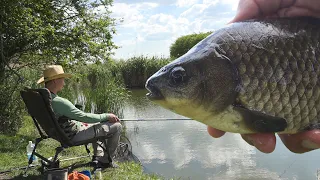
<point>94,87</point>
<point>136,70</point>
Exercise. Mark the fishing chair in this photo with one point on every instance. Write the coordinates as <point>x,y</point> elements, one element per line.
<point>38,103</point>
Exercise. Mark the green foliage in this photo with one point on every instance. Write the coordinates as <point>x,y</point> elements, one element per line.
<point>10,101</point>
<point>94,87</point>
<point>106,92</point>
<point>184,43</point>
<point>56,31</point>
<point>38,32</point>
<point>136,70</point>
<point>100,87</point>
<point>10,105</point>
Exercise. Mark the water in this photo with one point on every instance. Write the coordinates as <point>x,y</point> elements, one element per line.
<point>184,149</point>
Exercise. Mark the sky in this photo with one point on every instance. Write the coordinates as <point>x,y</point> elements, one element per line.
<point>149,27</point>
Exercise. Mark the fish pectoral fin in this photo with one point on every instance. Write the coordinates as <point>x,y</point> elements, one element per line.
<point>261,122</point>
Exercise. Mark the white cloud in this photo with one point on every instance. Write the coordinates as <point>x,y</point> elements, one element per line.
<point>133,40</point>
<point>185,3</point>
<point>194,11</point>
<point>161,18</point>
<point>161,2</point>
<point>163,23</point>
<point>232,3</point>
<point>132,14</point>
<point>146,5</point>
<point>129,15</point>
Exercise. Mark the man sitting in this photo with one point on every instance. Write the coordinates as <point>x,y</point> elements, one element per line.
<point>72,120</point>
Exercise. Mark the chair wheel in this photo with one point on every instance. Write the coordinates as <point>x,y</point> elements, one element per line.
<point>43,167</point>
<point>46,165</point>
<point>55,164</point>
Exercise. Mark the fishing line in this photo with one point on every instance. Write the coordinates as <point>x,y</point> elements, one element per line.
<point>157,119</point>
<point>285,170</point>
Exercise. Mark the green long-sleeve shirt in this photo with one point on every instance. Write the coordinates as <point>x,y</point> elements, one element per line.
<point>63,107</point>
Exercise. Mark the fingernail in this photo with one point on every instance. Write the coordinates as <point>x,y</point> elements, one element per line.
<point>258,141</point>
<point>310,145</point>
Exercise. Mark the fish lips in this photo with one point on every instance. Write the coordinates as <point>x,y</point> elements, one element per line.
<point>154,92</point>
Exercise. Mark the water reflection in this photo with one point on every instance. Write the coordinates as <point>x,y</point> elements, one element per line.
<point>183,149</point>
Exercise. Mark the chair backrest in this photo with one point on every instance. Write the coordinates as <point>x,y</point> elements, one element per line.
<point>38,103</point>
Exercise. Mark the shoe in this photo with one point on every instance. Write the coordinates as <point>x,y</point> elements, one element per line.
<point>107,165</point>
<point>94,162</point>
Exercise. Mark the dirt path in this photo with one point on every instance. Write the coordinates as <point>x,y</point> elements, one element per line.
<point>4,176</point>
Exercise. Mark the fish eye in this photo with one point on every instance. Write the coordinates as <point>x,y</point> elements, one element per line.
<point>163,69</point>
<point>178,75</point>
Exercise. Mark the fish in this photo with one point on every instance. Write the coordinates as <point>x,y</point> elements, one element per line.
<point>254,76</point>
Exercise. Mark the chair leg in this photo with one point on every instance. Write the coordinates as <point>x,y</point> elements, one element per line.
<point>87,149</point>
<point>46,163</point>
<point>55,163</point>
<point>30,161</point>
<point>52,163</point>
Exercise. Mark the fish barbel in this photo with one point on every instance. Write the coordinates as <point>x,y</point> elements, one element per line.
<point>252,76</point>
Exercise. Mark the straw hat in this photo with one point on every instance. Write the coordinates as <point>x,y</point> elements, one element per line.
<point>53,72</point>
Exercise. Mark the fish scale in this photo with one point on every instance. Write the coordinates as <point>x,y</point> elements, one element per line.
<point>280,67</point>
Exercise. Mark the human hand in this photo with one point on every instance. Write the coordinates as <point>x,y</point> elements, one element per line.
<point>265,142</point>
<point>249,9</point>
<point>302,142</point>
<point>113,118</point>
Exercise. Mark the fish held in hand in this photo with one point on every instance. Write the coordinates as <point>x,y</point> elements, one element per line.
<point>252,76</point>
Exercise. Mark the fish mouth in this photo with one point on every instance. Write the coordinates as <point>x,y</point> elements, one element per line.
<point>154,92</point>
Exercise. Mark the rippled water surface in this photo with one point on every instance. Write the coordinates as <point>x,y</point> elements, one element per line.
<point>183,149</point>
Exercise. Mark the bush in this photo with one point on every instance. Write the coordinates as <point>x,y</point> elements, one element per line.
<point>11,104</point>
<point>184,43</point>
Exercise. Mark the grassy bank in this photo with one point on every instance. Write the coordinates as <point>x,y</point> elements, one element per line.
<point>13,155</point>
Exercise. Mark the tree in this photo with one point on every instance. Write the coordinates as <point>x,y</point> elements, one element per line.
<point>38,32</point>
<point>184,43</point>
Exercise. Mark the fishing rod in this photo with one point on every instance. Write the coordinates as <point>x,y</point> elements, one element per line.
<point>156,119</point>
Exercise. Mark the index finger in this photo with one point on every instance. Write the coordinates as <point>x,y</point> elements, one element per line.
<point>249,9</point>
<point>118,120</point>
<point>302,142</point>
<point>215,132</point>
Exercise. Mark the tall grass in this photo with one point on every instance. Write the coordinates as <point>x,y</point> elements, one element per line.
<point>136,70</point>
<point>94,87</point>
